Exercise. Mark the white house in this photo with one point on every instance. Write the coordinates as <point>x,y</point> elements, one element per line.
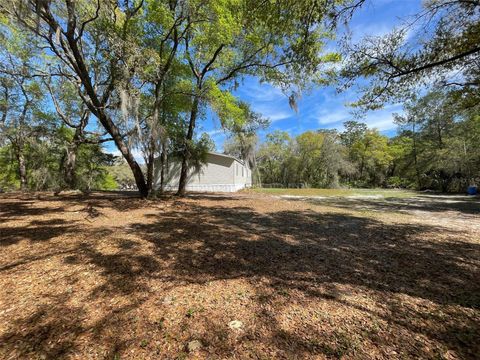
<point>220,173</point>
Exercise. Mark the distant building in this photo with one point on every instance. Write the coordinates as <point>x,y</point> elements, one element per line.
<point>220,173</point>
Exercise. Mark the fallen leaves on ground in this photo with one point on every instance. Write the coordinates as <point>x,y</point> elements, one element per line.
<point>246,276</point>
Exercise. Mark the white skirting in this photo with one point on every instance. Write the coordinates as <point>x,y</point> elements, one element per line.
<point>208,187</point>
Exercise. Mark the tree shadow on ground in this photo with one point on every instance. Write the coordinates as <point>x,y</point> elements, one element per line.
<point>53,331</point>
<point>286,245</point>
<point>37,231</point>
<point>320,256</point>
<point>431,203</point>
<point>308,252</point>
<point>18,209</point>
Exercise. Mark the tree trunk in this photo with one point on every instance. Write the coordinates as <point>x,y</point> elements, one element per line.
<point>439,135</point>
<point>417,172</point>
<point>256,180</point>
<point>69,166</point>
<point>163,161</point>
<point>22,169</point>
<point>137,174</point>
<point>150,173</point>
<point>150,165</point>
<point>362,165</point>
<point>125,151</point>
<point>97,107</point>
<point>70,161</point>
<point>151,142</point>
<point>182,184</point>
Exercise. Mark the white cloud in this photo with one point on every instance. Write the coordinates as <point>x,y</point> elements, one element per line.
<point>254,91</point>
<point>370,30</point>
<point>215,132</point>
<point>331,117</point>
<point>272,112</point>
<point>266,99</point>
<point>381,122</point>
<point>382,119</point>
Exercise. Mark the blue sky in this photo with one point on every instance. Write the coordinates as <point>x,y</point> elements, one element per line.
<point>322,108</point>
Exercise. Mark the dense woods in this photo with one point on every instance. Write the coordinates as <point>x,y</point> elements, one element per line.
<point>142,75</point>
<point>436,147</point>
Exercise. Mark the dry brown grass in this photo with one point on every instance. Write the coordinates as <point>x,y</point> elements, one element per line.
<point>115,277</point>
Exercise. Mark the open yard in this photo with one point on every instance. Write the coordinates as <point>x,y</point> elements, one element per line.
<point>387,193</point>
<point>244,276</point>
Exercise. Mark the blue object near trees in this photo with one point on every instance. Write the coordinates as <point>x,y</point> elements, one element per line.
<point>472,190</point>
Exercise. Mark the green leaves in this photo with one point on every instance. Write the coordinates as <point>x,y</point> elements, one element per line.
<point>226,106</point>
<point>435,47</point>
<point>168,62</point>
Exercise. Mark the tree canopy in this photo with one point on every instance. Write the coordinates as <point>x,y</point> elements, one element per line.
<point>437,47</point>
<point>148,70</point>
<point>143,74</point>
<point>436,147</point>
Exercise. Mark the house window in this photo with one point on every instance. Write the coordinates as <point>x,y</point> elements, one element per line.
<point>242,172</point>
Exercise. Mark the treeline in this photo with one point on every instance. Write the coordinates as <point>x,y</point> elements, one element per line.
<point>45,140</point>
<point>437,147</point>
<point>40,161</point>
<point>143,73</point>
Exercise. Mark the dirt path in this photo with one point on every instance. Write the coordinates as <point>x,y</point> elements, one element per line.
<point>459,211</point>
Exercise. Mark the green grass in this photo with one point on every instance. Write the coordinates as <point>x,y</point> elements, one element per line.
<point>338,192</point>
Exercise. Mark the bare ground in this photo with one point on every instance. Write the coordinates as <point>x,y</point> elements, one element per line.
<point>108,276</point>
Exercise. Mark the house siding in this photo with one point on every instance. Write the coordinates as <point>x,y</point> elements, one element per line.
<point>219,174</point>
<point>240,175</point>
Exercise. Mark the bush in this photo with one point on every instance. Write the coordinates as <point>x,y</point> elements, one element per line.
<point>108,182</point>
<point>398,182</point>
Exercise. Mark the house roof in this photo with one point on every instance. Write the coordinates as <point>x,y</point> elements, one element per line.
<point>223,155</point>
<point>227,156</point>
